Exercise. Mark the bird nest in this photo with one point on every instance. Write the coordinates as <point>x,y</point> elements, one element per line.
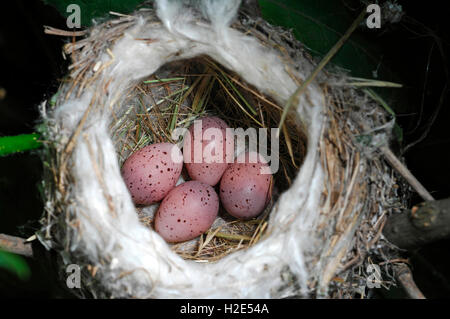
<point>136,78</point>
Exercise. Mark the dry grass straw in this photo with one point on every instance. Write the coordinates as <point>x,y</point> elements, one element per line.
<point>182,92</point>
<point>360,190</point>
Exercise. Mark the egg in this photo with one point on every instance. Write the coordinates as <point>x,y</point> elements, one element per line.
<point>206,154</point>
<point>152,172</point>
<point>187,212</point>
<point>246,186</point>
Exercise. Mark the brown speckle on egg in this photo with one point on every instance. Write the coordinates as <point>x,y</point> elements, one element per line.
<point>244,190</point>
<point>146,184</point>
<point>184,203</point>
<point>211,167</point>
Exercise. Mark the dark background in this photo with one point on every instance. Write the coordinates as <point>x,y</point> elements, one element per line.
<point>31,65</point>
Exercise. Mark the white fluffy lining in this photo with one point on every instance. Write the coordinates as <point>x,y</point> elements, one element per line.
<point>113,237</point>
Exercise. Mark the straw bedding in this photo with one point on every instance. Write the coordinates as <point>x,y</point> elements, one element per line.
<point>134,79</point>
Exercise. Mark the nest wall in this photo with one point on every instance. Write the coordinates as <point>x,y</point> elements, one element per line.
<point>324,224</point>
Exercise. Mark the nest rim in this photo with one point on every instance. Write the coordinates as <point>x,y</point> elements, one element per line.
<point>330,144</point>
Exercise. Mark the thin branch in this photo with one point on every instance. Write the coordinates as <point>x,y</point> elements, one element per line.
<point>64,33</point>
<point>15,245</point>
<point>404,276</point>
<point>406,173</point>
<point>423,224</point>
<point>294,98</point>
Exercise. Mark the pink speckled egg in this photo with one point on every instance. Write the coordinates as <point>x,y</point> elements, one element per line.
<point>246,186</point>
<point>187,212</point>
<point>152,172</point>
<point>208,150</point>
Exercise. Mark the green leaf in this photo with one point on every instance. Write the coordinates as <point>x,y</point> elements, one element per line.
<point>94,9</point>
<point>15,264</point>
<point>19,143</point>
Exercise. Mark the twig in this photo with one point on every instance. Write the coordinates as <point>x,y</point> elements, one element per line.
<point>294,97</point>
<point>395,260</point>
<point>15,245</point>
<point>404,276</point>
<point>64,33</point>
<point>405,172</point>
<point>423,224</point>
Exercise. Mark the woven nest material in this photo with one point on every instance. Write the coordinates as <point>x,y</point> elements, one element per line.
<point>333,191</point>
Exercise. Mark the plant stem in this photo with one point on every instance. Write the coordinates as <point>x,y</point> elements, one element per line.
<point>15,245</point>
<point>19,143</point>
<point>294,97</point>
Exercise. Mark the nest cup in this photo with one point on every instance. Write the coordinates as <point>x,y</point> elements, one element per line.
<point>133,80</point>
<point>174,97</point>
